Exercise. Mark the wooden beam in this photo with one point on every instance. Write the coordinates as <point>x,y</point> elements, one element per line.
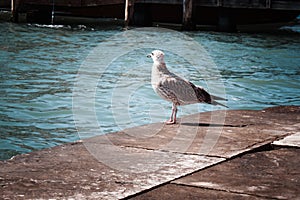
<point>75,3</point>
<point>285,5</point>
<point>12,6</point>
<point>187,23</point>
<point>126,14</point>
<point>129,9</point>
<point>268,3</point>
<point>171,2</point>
<point>14,10</point>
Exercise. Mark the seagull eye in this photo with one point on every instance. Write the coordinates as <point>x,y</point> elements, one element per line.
<point>152,54</point>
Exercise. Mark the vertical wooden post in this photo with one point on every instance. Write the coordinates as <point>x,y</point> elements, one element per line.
<point>126,13</point>
<point>14,10</point>
<point>268,3</point>
<point>129,9</point>
<point>187,23</point>
<point>52,12</point>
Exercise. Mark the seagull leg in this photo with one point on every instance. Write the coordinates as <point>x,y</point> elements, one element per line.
<point>172,119</point>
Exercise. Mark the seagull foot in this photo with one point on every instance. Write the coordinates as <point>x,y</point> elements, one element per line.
<point>170,122</point>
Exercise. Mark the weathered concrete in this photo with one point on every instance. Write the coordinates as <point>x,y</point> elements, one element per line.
<point>182,192</point>
<point>71,171</point>
<point>126,163</point>
<point>289,141</point>
<point>261,175</point>
<point>273,174</point>
<point>205,134</point>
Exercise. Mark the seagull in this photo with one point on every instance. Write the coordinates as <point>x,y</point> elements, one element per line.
<point>175,89</point>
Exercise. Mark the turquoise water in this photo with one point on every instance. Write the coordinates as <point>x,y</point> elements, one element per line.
<point>39,65</point>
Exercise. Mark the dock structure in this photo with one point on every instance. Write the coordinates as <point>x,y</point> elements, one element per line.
<point>252,155</point>
<point>226,14</point>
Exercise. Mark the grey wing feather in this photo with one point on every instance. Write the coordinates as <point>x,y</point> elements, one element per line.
<point>182,92</point>
<point>180,89</point>
<point>165,92</point>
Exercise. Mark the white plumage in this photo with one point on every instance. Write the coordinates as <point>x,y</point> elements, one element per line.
<point>175,89</point>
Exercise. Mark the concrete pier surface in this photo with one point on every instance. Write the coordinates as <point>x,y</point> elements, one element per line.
<point>234,154</point>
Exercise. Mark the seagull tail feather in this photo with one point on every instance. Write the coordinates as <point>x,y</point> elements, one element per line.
<point>217,103</point>
<point>218,98</point>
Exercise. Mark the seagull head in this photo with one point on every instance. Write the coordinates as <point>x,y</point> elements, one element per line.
<point>157,56</point>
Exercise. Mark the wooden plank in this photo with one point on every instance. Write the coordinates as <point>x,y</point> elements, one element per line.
<point>50,2</point>
<point>244,4</point>
<point>286,4</point>
<point>171,2</point>
<point>251,4</point>
<point>101,2</point>
<point>207,3</point>
<point>75,3</point>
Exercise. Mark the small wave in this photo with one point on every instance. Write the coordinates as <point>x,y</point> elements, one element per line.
<point>66,27</point>
<point>295,28</point>
<point>50,26</point>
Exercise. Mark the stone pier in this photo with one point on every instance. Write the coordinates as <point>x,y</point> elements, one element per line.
<point>234,154</point>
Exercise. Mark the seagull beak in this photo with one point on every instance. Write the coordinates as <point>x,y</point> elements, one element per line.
<point>149,56</point>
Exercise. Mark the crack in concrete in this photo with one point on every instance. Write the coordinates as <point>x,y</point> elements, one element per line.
<point>224,190</point>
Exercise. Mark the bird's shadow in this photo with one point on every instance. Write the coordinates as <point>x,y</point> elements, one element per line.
<point>213,125</point>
